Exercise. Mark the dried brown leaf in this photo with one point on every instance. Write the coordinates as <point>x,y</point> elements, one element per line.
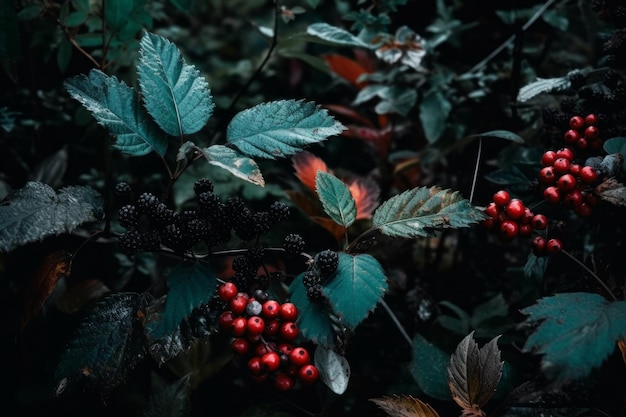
<point>404,406</point>
<point>612,191</point>
<point>622,347</point>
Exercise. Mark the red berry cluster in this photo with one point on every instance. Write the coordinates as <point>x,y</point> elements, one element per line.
<point>583,133</point>
<point>263,331</point>
<point>564,181</point>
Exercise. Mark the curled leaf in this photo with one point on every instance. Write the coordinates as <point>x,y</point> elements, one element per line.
<point>404,406</point>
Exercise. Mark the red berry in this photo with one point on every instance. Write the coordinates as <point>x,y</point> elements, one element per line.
<point>574,169</point>
<point>283,382</point>
<point>501,198</point>
<point>571,136</point>
<point>583,210</point>
<point>227,291</point>
<point>238,303</point>
<point>591,198</point>
<point>272,327</point>
<point>270,309</point>
<point>240,346</point>
<point>554,246</point>
<point>515,209</point>
<point>539,222</point>
<point>588,175</point>
<point>288,330</point>
<point>566,153</point>
<point>271,361</point>
<point>238,326</point>
<point>527,217</point>
<point>561,165</point>
<point>525,230</point>
<point>582,143</point>
<point>492,210</point>
<point>255,366</point>
<point>591,119</point>
<point>538,244</point>
<point>548,158</point>
<point>573,199</point>
<point>508,230</point>
<point>547,175</point>
<point>576,122</point>
<point>288,311</point>
<point>261,349</point>
<point>552,195</point>
<point>299,356</point>
<point>566,183</point>
<point>591,132</point>
<point>256,325</point>
<point>285,348</point>
<point>225,320</point>
<point>308,374</point>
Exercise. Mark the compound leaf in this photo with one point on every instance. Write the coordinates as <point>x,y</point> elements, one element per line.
<point>190,285</point>
<point>421,211</point>
<point>576,332</point>
<point>404,406</point>
<point>336,198</point>
<point>356,288</point>
<point>279,129</point>
<point>174,93</point>
<point>116,107</point>
<point>117,320</point>
<point>37,211</point>
<point>313,318</point>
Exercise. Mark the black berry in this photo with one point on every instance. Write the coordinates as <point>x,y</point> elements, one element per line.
<point>327,262</point>
<point>293,244</point>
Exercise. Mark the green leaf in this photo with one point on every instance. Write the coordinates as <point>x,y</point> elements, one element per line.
<point>543,85</point>
<point>313,318</point>
<point>183,5</point>
<point>116,13</point>
<point>116,107</point>
<point>428,367</point>
<point>536,266</point>
<point>173,400</point>
<point>117,320</point>
<point>356,288</point>
<point>36,211</point>
<point>336,35</point>
<point>233,162</point>
<point>336,198</point>
<point>421,211</point>
<point>500,134</point>
<point>434,111</point>
<point>616,145</point>
<point>174,93</point>
<point>280,129</point>
<point>575,332</point>
<point>190,285</point>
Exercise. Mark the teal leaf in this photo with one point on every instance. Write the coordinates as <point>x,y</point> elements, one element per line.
<point>280,129</point>
<point>500,134</point>
<point>334,369</point>
<point>421,211</point>
<point>190,284</point>
<point>116,13</point>
<point>117,320</point>
<point>575,332</point>
<point>335,35</point>
<point>313,320</point>
<point>36,211</point>
<point>183,5</point>
<point>174,93</point>
<point>543,85</point>
<point>616,146</point>
<point>536,266</point>
<point>232,161</point>
<point>428,368</point>
<point>116,107</point>
<point>434,111</point>
<point>336,198</point>
<point>357,287</point>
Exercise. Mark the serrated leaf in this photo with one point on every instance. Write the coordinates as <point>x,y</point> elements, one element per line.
<point>235,163</point>
<point>174,92</point>
<point>334,369</point>
<point>173,400</point>
<point>313,318</point>
<point>576,332</point>
<point>428,368</point>
<point>116,320</point>
<point>335,35</point>
<point>356,288</point>
<point>282,128</point>
<point>336,198</point>
<point>37,211</point>
<point>543,85</point>
<point>190,284</point>
<point>421,211</point>
<point>404,406</point>
<point>473,373</point>
<point>116,107</point>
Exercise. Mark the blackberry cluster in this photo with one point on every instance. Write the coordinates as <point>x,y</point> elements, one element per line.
<point>326,262</point>
<point>313,284</point>
<point>293,244</point>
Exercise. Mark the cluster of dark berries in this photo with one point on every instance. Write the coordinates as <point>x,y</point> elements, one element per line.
<point>151,224</point>
<point>264,331</point>
<point>583,133</point>
<point>324,267</point>
<point>564,181</point>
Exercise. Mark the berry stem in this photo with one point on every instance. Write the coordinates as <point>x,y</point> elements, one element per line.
<point>396,322</point>
<point>590,272</point>
<point>480,149</point>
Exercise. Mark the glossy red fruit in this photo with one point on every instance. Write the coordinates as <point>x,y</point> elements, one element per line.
<point>548,158</point>
<point>547,176</point>
<point>583,210</point>
<point>515,209</point>
<point>240,346</point>
<point>592,132</point>
<point>539,221</point>
<point>527,217</point>
<point>571,136</point>
<point>288,311</point>
<point>561,165</point>
<point>574,169</point>
<point>238,326</point>
<point>285,348</point>
<point>539,245</point>
<point>288,330</point>
<point>272,327</point>
<point>492,210</point>
<point>501,198</point>
<point>576,122</point>
<point>552,195</point>
<point>227,291</point>
<point>270,309</point>
<point>508,230</point>
<point>225,320</point>
<point>299,356</point>
<point>261,349</point>
<point>588,175</point>
<point>283,382</point>
<point>566,183</point>
<point>591,119</point>
<point>573,199</point>
<point>270,361</point>
<point>525,230</point>
<point>256,325</point>
<point>308,374</point>
<point>582,143</point>
<point>566,153</point>
<point>554,246</point>
<point>255,366</point>
<point>238,304</point>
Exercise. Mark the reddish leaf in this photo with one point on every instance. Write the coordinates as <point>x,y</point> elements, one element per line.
<point>78,295</point>
<point>622,347</point>
<point>380,138</point>
<point>365,192</point>
<point>335,229</point>
<point>306,204</point>
<point>52,269</point>
<point>306,165</point>
<point>346,68</point>
<point>366,60</point>
<point>349,113</point>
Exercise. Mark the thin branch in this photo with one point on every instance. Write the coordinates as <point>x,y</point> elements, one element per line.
<point>480,149</point>
<point>590,272</point>
<point>397,322</point>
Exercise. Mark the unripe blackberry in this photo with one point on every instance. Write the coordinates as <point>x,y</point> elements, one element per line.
<point>262,222</point>
<point>147,203</point>
<point>122,191</point>
<point>128,217</point>
<point>130,243</point>
<point>293,244</point>
<point>202,185</point>
<point>327,262</point>
<point>315,294</point>
<point>310,279</point>
<point>279,212</point>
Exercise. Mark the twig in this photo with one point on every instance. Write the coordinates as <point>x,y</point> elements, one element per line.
<point>397,322</point>
<point>480,149</point>
<point>590,272</point>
